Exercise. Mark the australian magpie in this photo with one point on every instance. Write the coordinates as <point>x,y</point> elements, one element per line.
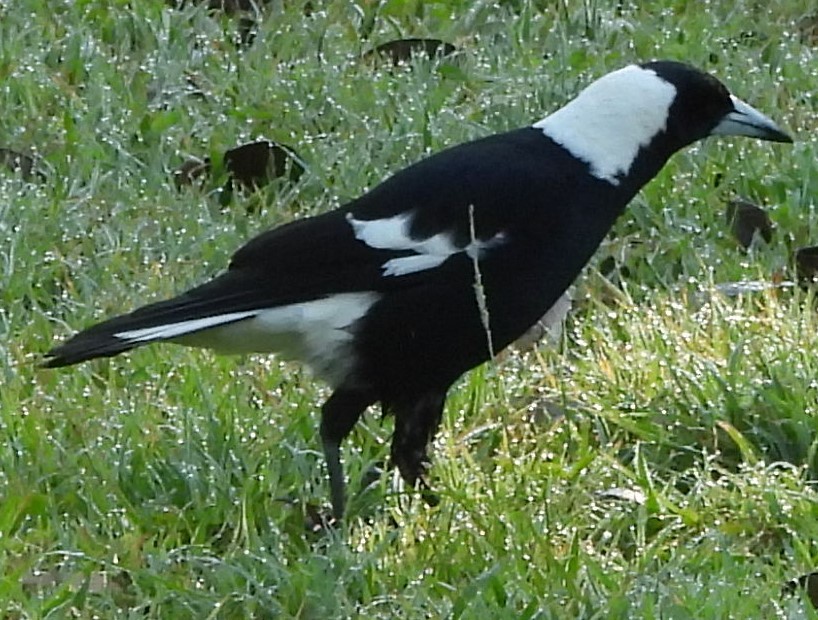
<point>393,296</point>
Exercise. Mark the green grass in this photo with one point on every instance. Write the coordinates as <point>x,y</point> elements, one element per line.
<point>170,483</point>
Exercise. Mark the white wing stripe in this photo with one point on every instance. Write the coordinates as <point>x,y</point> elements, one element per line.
<point>172,330</point>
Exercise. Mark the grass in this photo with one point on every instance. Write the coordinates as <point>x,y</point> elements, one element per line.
<point>657,462</point>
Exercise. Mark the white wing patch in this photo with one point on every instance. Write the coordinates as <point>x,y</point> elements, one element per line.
<point>393,234</point>
<point>387,234</point>
<point>591,126</point>
<point>411,264</point>
<point>173,330</point>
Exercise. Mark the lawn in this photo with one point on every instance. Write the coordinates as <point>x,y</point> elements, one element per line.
<point>657,460</point>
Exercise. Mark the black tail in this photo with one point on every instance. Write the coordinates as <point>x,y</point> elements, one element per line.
<point>219,302</point>
<point>97,341</point>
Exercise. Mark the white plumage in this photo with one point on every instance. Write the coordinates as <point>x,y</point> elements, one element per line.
<point>612,119</point>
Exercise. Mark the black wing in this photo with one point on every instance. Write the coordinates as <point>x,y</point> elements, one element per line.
<point>484,190</point>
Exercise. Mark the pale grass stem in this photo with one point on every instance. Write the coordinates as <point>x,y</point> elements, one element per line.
<point>479,291</point>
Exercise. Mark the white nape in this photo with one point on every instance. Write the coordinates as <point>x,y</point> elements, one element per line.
<point>614,117</point>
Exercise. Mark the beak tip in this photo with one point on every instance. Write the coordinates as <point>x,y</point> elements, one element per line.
<point>745,120</point>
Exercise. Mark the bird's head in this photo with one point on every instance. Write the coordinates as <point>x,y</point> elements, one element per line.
<point>702,106</point>
<point>650,111</point>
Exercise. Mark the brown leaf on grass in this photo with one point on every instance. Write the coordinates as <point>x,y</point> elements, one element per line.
<point>249,12</point>
<point>807,27</point>
<point>257,163</point>
<point>747,222</point>
<point>250,165</point>
<point>27,166</point>
<point>95,582</point>
<point>191,170</point>
<point>402,50</point>
<point>316,521</point>
<point>247,31</point>
<point>806,264</point>
<point>229,7</point>
<point>805,583</point>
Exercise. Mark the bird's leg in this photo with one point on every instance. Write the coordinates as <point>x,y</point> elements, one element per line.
<point>337,490</point>
<point>415,426</point>
<point>338,415</point>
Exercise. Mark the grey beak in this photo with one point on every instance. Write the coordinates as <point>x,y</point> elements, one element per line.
<point>745,120</point>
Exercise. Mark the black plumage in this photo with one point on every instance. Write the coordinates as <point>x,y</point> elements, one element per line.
<point>379,295</point>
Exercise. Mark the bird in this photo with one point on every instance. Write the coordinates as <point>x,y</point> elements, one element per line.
<point>393,296</point>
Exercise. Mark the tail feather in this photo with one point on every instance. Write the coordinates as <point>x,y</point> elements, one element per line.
<point>216,303</point>
<point>98,341</point>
